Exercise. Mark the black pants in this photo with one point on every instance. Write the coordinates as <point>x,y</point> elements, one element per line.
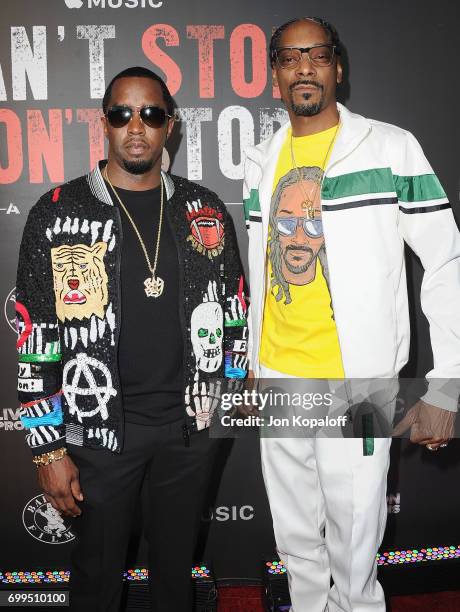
<point>111,485</point>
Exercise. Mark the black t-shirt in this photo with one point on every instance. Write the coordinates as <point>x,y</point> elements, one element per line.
<point>151,346</point>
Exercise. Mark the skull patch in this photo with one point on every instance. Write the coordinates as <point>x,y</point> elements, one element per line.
<point>207,325</point>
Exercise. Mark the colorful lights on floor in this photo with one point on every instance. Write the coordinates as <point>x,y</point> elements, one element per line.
<point>275,567</point>
<point>418,555</point>
<point>53,577</point>
<point>137,574</point>
<point>38,577</point>
<point>200,571</point>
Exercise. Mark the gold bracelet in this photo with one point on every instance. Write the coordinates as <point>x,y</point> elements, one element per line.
<point>47,458</point>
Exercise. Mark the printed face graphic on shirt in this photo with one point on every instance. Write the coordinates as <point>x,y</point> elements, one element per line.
<point>296,240</point>
<point>80,281</point>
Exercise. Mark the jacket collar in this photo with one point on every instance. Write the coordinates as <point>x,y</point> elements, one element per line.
<point>354,128</point>
<point>99,189</point>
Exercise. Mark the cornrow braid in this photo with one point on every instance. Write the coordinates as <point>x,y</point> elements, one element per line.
<point>327,27</point>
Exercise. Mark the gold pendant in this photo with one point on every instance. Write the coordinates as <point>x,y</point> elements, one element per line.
<point>309,209</point>
<point>154,286</point>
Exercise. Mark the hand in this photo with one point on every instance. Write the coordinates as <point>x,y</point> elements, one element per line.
<point>251,385</point>
<point>430,426</point>
<point>61,486</point>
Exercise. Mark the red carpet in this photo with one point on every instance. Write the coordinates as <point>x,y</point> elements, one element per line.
<point>249,599</point>
<point>240,599</point>
<point>448,601</point>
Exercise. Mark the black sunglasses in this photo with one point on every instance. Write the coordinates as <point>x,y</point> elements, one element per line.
<point>153,116</point>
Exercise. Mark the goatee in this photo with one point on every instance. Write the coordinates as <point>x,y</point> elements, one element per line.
<point>139,166</point>
<point>307,110</point>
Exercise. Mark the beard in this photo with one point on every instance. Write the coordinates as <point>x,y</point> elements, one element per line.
<point>138,166</point>
<point>300,268</point>
<point>307,109</point>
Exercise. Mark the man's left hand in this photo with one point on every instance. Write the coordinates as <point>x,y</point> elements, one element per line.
<point>429,425</point>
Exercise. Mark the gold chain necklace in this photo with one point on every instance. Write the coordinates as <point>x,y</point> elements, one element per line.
<point>153,285</point>
<point>309,203</point>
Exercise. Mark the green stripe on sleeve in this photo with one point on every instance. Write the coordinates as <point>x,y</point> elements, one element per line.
<point>376,180</point>
<point>418,188</point>
<point>251,204</point>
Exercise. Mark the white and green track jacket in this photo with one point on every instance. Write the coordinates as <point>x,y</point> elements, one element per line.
<point>378,192</point>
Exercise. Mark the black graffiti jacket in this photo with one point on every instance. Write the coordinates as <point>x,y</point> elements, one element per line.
<point>68,315</point>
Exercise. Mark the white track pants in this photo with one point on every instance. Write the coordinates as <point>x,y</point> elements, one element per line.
<point>328,504</point>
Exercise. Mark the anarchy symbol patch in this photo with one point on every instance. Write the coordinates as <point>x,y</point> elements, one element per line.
<point>86,376</point>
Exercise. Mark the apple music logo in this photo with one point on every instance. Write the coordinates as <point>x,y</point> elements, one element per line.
<point>114,4</point>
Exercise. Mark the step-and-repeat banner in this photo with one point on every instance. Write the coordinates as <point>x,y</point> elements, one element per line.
<point>56,58</point>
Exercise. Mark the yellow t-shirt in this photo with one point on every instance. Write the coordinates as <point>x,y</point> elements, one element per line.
<point>299,335</point>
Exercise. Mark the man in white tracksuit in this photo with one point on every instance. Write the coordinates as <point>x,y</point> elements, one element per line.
<point>329,201</point>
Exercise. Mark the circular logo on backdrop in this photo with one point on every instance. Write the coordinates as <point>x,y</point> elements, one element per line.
<point>44,523</point>
<point>10,309</point>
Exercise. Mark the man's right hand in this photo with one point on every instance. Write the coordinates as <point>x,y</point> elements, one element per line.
<point>60,484</point>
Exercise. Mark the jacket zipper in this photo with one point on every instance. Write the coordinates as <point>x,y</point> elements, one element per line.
<point>347,385</point>
<point>325,242</point>
<point>185,427</point>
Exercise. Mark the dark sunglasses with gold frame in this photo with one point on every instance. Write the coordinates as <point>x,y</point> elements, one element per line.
<point>153,116</point>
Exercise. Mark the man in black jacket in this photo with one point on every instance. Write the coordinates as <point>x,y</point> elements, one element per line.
<point>120,347</point>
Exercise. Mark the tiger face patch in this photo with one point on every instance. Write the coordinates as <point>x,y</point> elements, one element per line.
<point>80,281</point>
<point>206,229</point>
